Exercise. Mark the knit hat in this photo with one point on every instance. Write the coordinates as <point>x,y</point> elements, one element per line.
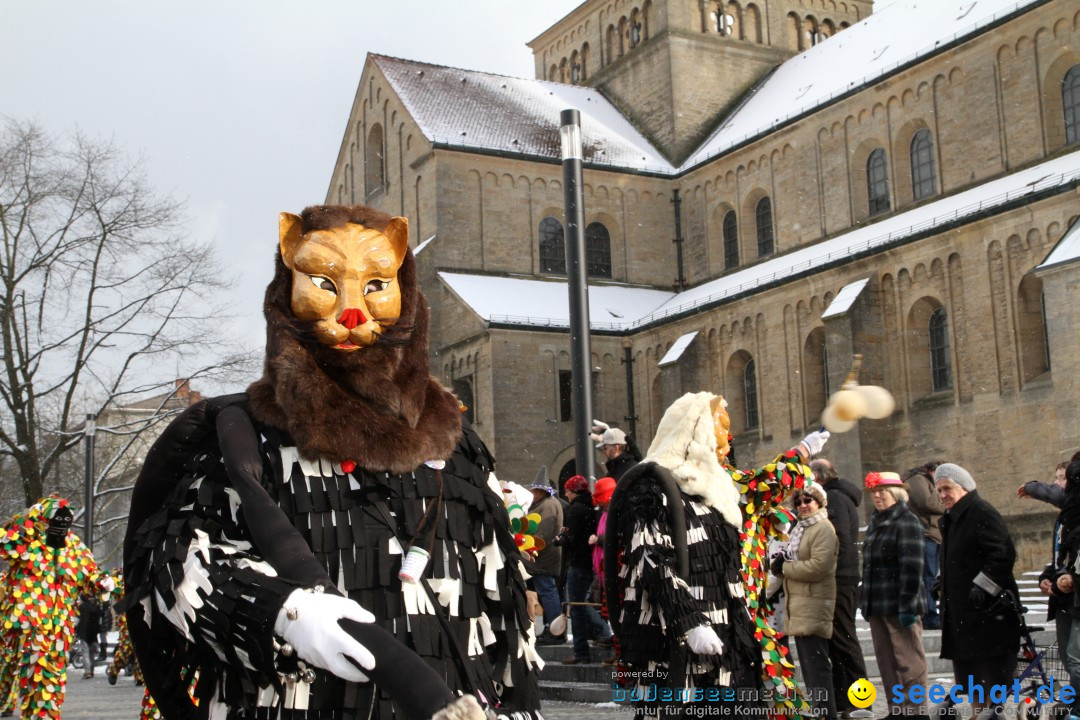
<point>602,490</point>
<point>577,484</point>
<point>817,492</point>
<point>883,479</point>
<point>956,474</point>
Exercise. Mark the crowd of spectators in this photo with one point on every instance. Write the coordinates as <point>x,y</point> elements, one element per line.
<point>930,554</point>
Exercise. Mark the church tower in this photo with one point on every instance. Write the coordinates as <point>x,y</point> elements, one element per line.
<point>677,67</point>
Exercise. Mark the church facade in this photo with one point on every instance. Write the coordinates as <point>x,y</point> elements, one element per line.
<point>771,187</point>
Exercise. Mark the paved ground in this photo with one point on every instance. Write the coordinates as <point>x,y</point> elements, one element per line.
<point>95,698</point>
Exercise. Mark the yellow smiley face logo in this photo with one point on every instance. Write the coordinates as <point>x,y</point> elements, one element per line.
<point>862,693</point>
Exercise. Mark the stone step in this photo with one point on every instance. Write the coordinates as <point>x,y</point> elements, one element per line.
<point>575,692</point>
<point>592,682</point>
<point>592,673</point>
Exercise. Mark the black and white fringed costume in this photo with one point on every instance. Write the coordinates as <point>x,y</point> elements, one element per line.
<point>244,499</point>
<point>659,606</point>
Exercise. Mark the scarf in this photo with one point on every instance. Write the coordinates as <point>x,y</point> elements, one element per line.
<point>795,539</point>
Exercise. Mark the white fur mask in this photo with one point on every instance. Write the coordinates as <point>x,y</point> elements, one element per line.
<point>685,444</point>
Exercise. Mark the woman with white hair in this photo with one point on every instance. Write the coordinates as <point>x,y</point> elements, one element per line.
<point>893,598</point>
<point>979,633</point>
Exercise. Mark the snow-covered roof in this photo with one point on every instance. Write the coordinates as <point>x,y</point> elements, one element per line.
<point>844,299</point>
<point>677,349</point>
<point>481,111</point>
<point>890,38</point>
<point>1067,248</point>
<point>421,246</point>
<point>544,303</point>
<point>1044,176</point>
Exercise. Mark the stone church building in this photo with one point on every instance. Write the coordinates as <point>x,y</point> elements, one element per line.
<point>771,186</point>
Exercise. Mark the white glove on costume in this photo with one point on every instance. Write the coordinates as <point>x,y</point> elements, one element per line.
<point>316,636</point>
<point>107,584</point>
<point>704,641</point>
<point>813,443</point>
<point>599,427</point>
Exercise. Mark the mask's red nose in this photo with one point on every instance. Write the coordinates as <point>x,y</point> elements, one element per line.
<point>351,317</point>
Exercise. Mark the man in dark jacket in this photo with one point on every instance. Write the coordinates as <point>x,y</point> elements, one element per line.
<point>978,632</point>
<point>844,649</point>
<point>618,450</point>
<point>88,628</point>
<point>580,525</point>
<point>548,563</point>
<point>923,501</point>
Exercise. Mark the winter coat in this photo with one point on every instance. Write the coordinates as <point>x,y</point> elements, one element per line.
<point>975,539</point>
<point>844,497</point>
<point>893,564</point>
<point>810,583</point>
<point>598,548</point>
<point>89,621</point>
<point>580,523</point>
<point>924,502</point>
<point>1046,492</point>
<point>549,560</point>
<point>617,468</point>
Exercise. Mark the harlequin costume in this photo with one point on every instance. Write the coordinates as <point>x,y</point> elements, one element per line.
<point>686,553</point>
<point>49,568</point>
<point>310,488</point>
<point>125,655</point>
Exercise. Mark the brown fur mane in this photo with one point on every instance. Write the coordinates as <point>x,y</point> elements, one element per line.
<point>378,406</point>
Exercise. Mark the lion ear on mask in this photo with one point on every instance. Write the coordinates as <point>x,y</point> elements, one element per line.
<point>288,235</point>
<point>397,230</point>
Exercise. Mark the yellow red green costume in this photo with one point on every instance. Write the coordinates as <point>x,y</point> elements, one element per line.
<point>42,587</point>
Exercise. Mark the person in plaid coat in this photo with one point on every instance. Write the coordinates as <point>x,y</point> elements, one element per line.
<point>893,597</point>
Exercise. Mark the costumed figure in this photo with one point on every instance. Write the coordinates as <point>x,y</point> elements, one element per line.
<point>124,655</point>
<point>331,543</point>
<point>685,565</point>
<point>48,569</point>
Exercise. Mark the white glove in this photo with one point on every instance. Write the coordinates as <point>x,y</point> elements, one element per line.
<point>599,427</point>
<point>317,637</point>
<point>813,443</point>
<point>107,584</point>
<point>704,641</point>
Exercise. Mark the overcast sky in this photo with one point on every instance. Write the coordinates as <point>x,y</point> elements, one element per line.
<point>238,106</point>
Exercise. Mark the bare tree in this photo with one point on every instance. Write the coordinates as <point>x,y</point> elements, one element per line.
<point>102,297</point>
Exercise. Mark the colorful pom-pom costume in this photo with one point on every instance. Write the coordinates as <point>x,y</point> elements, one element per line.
<point>125,655</point>
<point>49,568</point>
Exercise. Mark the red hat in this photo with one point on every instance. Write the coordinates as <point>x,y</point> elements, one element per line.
<point>883,479</point>
<point>577,484</point>
<point>602,490</point>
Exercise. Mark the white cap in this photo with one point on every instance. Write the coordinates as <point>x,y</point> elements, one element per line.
<point>612,436</point>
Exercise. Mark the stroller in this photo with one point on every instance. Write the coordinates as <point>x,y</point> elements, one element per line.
<point>1035,667</point>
